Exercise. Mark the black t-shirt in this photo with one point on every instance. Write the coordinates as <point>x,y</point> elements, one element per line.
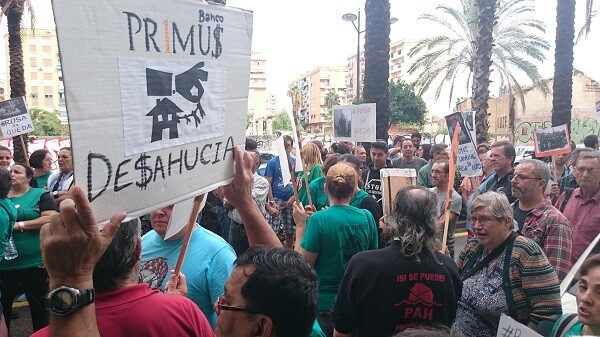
<point>519,215</point>
<point>502,185</point>
<point>383,292</point>
<point>372,179</point>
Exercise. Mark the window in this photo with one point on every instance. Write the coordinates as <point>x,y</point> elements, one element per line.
<point>48,96</point>
<point>34,95</point>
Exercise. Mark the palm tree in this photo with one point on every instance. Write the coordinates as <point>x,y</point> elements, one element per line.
<point>517,42</point>
<point>484,39</point>
<point>331,98</point>
<point>298,97</point>
<point>13,9</point>
<point>377,56</point>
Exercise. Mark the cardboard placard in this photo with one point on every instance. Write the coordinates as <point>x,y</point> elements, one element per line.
<point>467,160</point>
<point>150,87</point>
<point>392,180</point>
<point>508,327</point>
<point>15,119</point>
<point>355,122</point>
<point>552,141</point>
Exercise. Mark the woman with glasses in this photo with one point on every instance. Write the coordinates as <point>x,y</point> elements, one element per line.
<point>329,238</point>
<point>502,273</point>
<point>41,163</point>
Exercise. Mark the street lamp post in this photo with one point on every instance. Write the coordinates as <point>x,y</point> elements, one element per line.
<point>352,18</point>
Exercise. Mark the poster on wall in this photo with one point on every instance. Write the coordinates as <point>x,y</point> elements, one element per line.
<point>355,122</point>
<point>551,141</point>
<point>150,87</point>
<point>467,160</point>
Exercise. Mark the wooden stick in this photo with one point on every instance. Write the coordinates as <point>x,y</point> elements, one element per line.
<point>293,174</point>
<point>310,203</point>
<point>554,168</point>
<point>452,170</point>
<point>188,232</point>
<point>24,148</point>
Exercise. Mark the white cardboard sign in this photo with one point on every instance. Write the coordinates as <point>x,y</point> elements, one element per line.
<point>355,122</point>
<point>15,119</point>
<point>508,327</point>
<point>150,86</point>
<point>467,160</point>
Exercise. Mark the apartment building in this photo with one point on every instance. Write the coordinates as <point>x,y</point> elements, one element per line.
<point>398,66</point>
<point>261,102</point>
<point>42,70</point>
<point>315,84</point>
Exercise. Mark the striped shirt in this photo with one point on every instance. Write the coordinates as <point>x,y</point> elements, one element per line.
<point>529,281</point>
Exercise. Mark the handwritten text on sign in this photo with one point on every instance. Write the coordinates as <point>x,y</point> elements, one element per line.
<point>364,121</point>
<point>149,130</point>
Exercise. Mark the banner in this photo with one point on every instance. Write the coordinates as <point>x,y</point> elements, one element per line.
<point>467,160</point>
<point>355,122</point>
<point>150,87</point>
<point>15,119</point>
<point>392,180</point>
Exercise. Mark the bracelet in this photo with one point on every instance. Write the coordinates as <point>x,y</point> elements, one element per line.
<point>21,225</point>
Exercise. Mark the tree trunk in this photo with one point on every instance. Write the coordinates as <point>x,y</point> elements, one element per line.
<point>486,17</point>
<point>562,86</point>
<point>377,57</point>
<point>17,77</point>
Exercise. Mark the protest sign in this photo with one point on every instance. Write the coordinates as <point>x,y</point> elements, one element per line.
<point>467,161</point>
<point>508,327</point>
<point>286,175</point>
<point>149,89</point>
<point>355,122</point>
<point>392,180</point>
<point>180,215</point>
<point>15,119</point>
<point>551,141</point>
<point>295,133</point>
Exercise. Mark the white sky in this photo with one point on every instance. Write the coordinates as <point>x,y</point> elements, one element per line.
<point>297,36</point>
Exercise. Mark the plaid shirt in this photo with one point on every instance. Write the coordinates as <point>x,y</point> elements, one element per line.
<point>567,181</point>
<point>551,230</point>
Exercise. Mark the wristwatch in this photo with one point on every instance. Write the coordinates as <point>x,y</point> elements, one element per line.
<point>65,300</point>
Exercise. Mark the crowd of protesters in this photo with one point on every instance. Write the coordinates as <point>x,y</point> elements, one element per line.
<point>347,268</point>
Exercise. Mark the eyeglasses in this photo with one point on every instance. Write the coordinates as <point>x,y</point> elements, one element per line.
<point>521,177</point>
<point>437,172</point>
<point>484,220</point>
<point>589,170</point>
<point>220,305</point>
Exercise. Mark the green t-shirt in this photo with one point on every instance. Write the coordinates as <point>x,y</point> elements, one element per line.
<point>8,215</point>
<point>42,180</point>
<point>424,175</point>
<point>575,331</point>
<point>26,242</point>
<point>336,234</point>
<point>320,199</point>
<point>313,173</point>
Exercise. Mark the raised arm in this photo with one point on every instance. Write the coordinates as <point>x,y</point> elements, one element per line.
<point>72,244</point>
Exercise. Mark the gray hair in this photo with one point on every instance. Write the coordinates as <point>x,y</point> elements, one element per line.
<point>496,203</point>
<point>540,169</point>
<point>414,220</point>
<point>118,263</point>
<point>589,155</point>
<point>577,152</point>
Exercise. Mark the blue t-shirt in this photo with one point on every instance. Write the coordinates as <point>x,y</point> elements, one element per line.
<point>207,265</point>
<point>273,170</point>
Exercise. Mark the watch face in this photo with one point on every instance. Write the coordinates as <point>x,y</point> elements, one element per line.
<point>62,301</point>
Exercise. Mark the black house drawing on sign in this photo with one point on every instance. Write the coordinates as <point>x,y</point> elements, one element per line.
<point>164,117</point>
